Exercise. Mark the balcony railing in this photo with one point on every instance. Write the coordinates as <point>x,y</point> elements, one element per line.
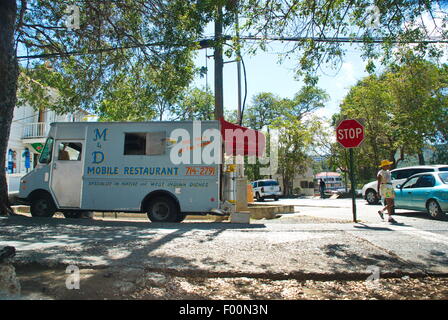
<point>35,130</point>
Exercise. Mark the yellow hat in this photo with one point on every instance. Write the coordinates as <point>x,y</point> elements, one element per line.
<point>385,163</point>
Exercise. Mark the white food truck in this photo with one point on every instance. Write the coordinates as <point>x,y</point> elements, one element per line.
<point>164,169</point>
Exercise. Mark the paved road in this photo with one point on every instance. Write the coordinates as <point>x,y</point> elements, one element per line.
<point>318,241</point>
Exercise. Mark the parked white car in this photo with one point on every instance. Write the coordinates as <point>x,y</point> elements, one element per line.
<point>267,188</point>
<point>399,176</point>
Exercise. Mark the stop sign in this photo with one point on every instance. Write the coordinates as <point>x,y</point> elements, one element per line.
<point>350,133</point>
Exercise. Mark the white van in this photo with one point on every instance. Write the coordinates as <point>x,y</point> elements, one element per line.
<point>126,167</point>
<point>369,190</point>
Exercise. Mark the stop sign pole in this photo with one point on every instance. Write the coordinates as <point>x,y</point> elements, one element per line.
<point>350,134</point>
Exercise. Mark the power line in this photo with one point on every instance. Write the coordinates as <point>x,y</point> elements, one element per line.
<point>34,115</point>
<point>209,42</point>
<point>345,40</point>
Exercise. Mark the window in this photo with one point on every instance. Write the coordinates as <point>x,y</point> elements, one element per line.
<point>443,169</point>
<point>444,177</point>
<point>268,183</point>
<point>406,173</point>
<point>69,151</point>
<point>304,184</point>
<point>402,174</point>
<point>411,183</point>
<point>144,143</point>
<point>426,182</point>
<point>155,143</point>
<point>45,156</point>
<point>134,143</point>
<point>422,170</point>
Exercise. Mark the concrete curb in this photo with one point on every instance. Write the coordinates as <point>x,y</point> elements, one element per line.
<point>257,212</point>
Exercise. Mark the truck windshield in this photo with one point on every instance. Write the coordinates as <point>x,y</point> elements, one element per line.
<point>45,156</point>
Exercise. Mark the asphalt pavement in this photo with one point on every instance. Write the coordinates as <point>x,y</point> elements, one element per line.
<point>318,241</point>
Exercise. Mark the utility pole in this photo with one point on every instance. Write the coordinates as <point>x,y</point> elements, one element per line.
<point>238,66</point>
<point>219,89</point>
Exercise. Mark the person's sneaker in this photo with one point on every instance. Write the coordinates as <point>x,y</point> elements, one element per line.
<point>392,220</point>
<point>381,215</point>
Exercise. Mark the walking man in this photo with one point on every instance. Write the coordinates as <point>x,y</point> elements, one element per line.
<point>386,190</point>
<point>322,187</point>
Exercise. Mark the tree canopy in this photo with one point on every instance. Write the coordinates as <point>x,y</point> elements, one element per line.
<point>403,109</point>
<point>101,48</point>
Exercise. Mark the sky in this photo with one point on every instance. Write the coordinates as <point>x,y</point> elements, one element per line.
<point>266,74</point>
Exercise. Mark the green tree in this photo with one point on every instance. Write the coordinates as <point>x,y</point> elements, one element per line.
<point>299,131</point>
<point>296,143</point>
<point>195,104</point>
<point>403,110</point>
<point>112,39</point>
<point>322,28</point>
<point>265,108</point>
<point>114,36</point>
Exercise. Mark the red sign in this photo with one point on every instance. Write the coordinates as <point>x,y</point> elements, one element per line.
<point>350,133</point>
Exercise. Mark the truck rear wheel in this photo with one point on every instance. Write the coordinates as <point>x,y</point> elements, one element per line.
<point>163,209</point>
<point>42,206</point>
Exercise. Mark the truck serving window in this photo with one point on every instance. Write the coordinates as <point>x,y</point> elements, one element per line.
<point>69,151</point>
<point>45,156</point>
<point>144,143</point>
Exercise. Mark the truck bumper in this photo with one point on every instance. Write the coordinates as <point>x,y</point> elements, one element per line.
<point>271,194</point>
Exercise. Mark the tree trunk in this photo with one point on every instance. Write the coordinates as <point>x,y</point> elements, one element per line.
<point>9,73</point>
<point>421,158</point>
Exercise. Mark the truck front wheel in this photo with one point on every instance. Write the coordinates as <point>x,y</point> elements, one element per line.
<point>162,209</point>
<point>42,206</point>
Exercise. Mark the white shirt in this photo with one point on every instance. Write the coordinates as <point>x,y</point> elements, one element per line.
<point>386,177</point>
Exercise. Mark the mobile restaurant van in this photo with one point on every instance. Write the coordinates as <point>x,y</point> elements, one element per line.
<point>164,169</point>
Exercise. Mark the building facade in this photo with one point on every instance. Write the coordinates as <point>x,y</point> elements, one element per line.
<point>29,129</point>
<point>301,184</point>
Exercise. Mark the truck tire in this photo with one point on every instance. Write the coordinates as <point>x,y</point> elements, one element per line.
<point>42,206</point>
<point>371,197</point>
<point>258,197</point>
<point>162,209</point>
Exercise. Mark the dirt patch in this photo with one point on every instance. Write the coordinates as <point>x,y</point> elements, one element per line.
<point>136,283</point>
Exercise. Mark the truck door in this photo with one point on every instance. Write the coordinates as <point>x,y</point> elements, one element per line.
<point>66,176</point>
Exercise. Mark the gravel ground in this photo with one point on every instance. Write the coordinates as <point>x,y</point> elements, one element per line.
<point>136,284</point>
<point>246,288</point>
<point>136,257</point>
